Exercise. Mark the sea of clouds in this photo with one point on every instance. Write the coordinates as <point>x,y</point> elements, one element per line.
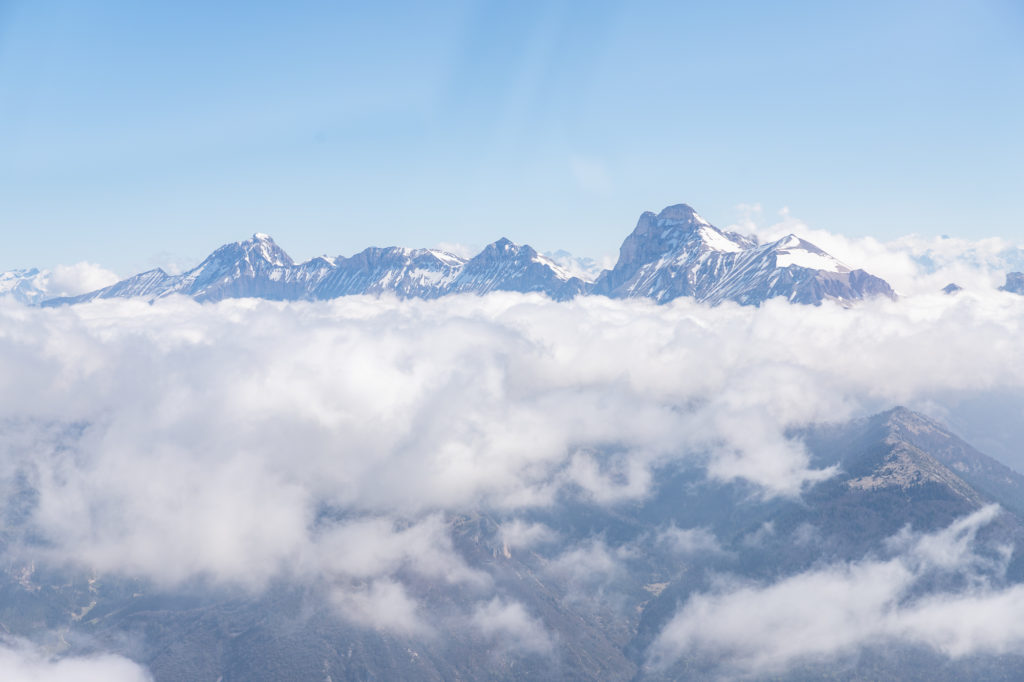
<point>179,441</point>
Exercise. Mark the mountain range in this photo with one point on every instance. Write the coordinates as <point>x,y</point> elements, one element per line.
<point>668,255</point>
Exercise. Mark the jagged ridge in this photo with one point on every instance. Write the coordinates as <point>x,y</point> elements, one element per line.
<point>672,254</point>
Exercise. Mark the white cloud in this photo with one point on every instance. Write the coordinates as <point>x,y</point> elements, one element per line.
<point>748,629</point>
<point>616,479</point>
<point>511,626</point>
<point>366,548</point>
<point>592,573</point>
<point>384,604</point>
<point>518,534</point>
<point>206,440</point>
<point>71,280</point>
<point>689,540</point>
<point>22,661</point>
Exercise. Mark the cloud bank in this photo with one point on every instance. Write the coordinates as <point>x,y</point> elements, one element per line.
<point>820,614</point>
<point>21,661</point>
<point>239,442</point>
<point>252,414</point>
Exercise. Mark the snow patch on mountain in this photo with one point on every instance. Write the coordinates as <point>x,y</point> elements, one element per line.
<point>792,250</point>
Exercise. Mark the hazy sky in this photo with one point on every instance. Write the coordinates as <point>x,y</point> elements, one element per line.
<point>136,134</point>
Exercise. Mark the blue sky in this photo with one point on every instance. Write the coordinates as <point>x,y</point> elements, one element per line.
<point>136,134</point>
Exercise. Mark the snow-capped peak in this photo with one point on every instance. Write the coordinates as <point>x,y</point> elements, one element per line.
<point>260,246</point>
<point>792,250</point>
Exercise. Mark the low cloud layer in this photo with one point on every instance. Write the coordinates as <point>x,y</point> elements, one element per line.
<point>253,414</point>
<point>244,441</point>
<point>826,612</point>
<point>22,661</point>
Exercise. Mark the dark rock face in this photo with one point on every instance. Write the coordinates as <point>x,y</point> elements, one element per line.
<point>1014,283</point>
<point>952,288</point>
<point>672,254</point>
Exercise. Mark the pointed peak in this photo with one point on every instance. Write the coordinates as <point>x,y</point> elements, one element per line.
<point>792,241</point>
<point>791,250</point>
<point>898,412</point>
<point>909,419</point>
<point>260,246</point>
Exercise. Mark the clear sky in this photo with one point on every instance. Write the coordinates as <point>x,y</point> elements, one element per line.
<point>140,133</point>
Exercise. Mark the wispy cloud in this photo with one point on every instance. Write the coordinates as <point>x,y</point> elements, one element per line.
<point>744,629</point>
<point>23,660</point>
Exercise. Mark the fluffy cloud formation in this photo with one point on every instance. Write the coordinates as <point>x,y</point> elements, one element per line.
<point>518,534</point>
<point>825,612</point>
<point>384,604</point>
<point>211,434</point>
<point>685,541</point>
<point>33,286</point>
<point>247,440</point>
<point>509,624</point>
<point>21,661</point>
<point>912,264</point>
<point>71,280</point>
